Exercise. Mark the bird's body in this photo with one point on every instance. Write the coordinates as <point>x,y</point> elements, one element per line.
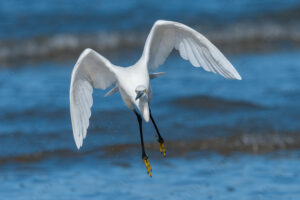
<point>129,79</point>
<point>94,71</point>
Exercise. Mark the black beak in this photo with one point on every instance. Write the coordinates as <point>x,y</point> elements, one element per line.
<point>139,95</point>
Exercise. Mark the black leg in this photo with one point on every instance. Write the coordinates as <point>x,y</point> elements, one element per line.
<point>160,139</point>
<point>144,155</point>
<point>139,118</point>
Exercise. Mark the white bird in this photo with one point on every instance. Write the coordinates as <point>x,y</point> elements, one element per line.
<point>94,71</point>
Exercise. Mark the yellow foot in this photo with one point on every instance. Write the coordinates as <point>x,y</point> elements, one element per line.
<point>162,148</point>
<point>148,166</point>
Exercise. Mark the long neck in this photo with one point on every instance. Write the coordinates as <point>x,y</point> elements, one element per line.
<point>144,110</point>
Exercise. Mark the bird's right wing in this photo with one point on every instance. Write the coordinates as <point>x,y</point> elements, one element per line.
<point>91,70</point>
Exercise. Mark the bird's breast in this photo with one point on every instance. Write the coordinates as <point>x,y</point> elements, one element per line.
<point>130,79</point>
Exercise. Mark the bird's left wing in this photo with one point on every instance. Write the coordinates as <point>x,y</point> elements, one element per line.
<point>193,46</point>
<point>91,70</point>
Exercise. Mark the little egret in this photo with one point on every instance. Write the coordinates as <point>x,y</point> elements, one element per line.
<point>94,71</point>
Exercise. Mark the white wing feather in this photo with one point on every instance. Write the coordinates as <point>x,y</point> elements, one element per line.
<point>166,35</point>
<point>91,70</point>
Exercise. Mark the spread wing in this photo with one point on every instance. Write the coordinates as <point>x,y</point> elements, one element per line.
<point>166,35</point>
<point>90,71</point>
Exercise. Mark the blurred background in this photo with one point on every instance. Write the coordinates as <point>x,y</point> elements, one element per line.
<point>224,139</point>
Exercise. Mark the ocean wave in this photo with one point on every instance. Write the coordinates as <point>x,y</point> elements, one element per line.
<point>213,103</point>
<point>37,156</point>
<point>34,113</point>
<point>240,37</point>
<point>247,143</point>
<point>64,46</point>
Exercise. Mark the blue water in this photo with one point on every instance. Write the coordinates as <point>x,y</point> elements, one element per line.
<point>207,177</point>
<point>40,18</point>
<point>225,139</point>
<point>39,157</point>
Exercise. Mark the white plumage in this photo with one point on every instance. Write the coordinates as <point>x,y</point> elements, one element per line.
<point>94,71</point>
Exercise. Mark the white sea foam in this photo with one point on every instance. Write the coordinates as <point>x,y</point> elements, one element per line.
<point>235,38</point>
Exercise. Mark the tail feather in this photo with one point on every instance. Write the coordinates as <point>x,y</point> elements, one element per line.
<point>157,74</point>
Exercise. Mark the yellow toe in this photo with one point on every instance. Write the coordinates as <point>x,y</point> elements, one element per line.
<point>162,148</point>
<point>148,166</point>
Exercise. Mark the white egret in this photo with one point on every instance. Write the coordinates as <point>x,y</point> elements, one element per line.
<point>94,71</point>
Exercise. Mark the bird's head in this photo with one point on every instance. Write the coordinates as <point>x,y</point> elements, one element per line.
<point>141,93</point>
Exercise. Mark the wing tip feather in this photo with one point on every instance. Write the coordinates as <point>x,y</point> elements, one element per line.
<point>239,77</point>
<point>78,146</point>
<point>235,76</point>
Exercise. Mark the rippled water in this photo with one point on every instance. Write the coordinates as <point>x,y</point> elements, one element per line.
<point>198,113</point>
<point>41,30</point>
<point>224,139</point>
<point>203,175</point>
<point>35,18</point>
